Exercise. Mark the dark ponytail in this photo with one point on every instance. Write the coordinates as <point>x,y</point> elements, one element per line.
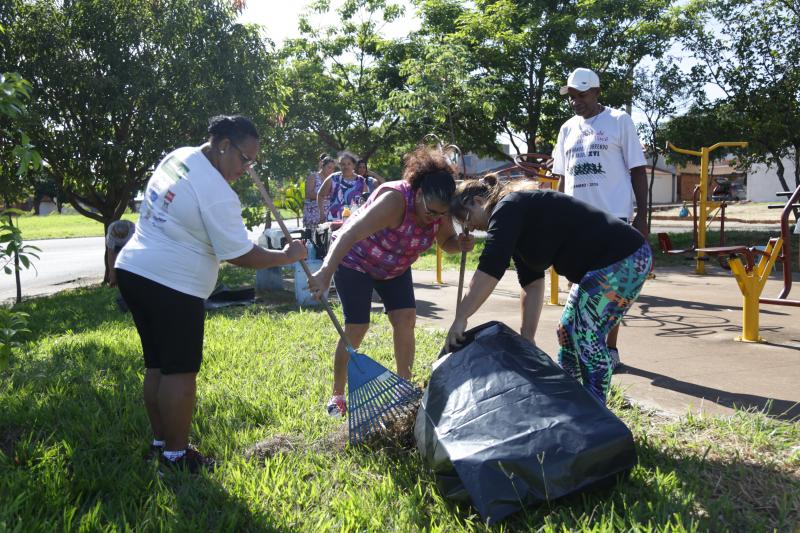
<point>234,127</point>
<point>325,159</point>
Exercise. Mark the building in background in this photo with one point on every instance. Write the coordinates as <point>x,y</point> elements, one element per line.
<point>763,184</point>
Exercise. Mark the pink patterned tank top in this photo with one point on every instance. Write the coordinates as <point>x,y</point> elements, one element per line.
<point>390,252</point>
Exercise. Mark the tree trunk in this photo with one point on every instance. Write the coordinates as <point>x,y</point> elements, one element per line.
<point>105,254</point>
<point>16,277</point>
<point>781,173</point>
<point>16,265</point>
<point>267,212</point>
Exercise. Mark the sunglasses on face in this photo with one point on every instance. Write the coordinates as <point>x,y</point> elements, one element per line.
<point>247,163</point>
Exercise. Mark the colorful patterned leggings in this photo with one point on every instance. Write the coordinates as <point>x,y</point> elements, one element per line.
<point>596,305</point>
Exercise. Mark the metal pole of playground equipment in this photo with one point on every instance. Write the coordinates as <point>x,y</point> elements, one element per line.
<point>543,176</point>
<point>553,286</point>
<point>553,274</point>
<point>705,205</point>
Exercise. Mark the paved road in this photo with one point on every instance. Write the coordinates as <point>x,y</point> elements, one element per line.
<point>62,263</point>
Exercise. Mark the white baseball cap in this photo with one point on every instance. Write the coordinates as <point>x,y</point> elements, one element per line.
<point>581,79</point>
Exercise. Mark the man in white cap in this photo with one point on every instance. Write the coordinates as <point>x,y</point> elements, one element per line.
<point>599,159</point>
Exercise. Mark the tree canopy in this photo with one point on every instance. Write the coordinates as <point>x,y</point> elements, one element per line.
<point>117,84</point>
<point>120,83</point>
<point>522,53</point>
<point>751,51</point>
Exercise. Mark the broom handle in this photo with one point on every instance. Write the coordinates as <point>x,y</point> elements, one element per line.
<point>277,215</point>
<point>461,279</point>
<point>461,270</point>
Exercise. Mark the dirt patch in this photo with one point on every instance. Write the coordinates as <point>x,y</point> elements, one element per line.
<point>277,444</point>
<point>332,443</point>
<point>397,435</point>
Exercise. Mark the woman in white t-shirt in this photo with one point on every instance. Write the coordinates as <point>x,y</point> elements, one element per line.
<point>190,221</point>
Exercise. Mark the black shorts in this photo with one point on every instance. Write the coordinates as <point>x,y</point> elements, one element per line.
<point>170,323</point>
<point>355,292</point>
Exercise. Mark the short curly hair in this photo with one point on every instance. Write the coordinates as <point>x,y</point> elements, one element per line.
<point>428,169</point>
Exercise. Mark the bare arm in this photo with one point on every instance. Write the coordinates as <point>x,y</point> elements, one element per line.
<point>450,241</point>
<point>386,211</point>
<point>112,274</point>
<point>480,287</point>
<point>311,193</point>
<point>324,191</point>
<point>560,182</point>
<point>639,183</point>
<point>258,257</point>
<point>531,302</point>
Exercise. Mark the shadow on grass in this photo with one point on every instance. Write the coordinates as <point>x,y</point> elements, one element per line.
<point>203,504</point>
<point>80,437</point>
<point>668,487</point>
<point>88,308</point>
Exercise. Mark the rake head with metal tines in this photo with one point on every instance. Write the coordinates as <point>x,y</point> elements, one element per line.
<point>375,396</point>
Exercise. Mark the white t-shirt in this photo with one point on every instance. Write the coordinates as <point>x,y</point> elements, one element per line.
<point>595,157</point>
<point>190,220</point>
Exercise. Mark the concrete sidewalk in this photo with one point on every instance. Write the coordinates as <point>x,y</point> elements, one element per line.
<point>677,342</point>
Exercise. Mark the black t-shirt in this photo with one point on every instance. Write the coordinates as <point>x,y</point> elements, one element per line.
<point>541,228</point>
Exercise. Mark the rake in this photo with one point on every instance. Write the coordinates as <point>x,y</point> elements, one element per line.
<point>375,395</point>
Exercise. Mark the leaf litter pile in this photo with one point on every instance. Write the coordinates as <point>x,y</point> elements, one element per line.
<point>396,434</point>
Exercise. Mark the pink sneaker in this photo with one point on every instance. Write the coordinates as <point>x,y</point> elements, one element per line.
<point>336,406</point>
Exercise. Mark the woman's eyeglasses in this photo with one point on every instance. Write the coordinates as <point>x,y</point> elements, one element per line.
<point>247,163</point>
<point>432,214</point>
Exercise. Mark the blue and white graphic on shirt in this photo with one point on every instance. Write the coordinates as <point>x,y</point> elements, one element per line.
<point>191,220</point>
<point>159,196</point>
<point>595,156</point>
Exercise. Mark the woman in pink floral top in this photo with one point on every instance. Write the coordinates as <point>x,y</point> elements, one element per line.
<point>375,250</point>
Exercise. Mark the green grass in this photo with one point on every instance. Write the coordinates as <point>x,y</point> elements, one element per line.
<point>73,431</point>
<point>55,226</point>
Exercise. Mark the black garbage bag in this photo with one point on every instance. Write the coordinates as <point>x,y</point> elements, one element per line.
<point>503,426</point>
<point>222,296</point>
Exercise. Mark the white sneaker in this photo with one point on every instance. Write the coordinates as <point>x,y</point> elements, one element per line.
<point>336,406</point>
